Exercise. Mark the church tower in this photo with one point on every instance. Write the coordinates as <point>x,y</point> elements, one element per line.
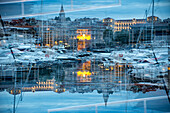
<point>62,14</point>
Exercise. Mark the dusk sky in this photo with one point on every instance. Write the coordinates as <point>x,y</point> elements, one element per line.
<point>128,9</point>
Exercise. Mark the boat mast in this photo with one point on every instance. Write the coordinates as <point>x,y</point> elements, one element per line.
<point>152,37</point>
<point>41,25</point>
<point>146,12</point>
<point>14,65</point>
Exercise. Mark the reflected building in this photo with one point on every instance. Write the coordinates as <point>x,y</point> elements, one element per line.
<point>86,77</point>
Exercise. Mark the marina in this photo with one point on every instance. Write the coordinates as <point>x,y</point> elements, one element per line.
<point>85,65</point>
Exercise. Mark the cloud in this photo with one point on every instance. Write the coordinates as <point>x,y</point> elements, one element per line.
<point>96,8</point>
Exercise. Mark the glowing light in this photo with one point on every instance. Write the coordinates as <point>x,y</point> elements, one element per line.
<point>84,37</point>
<point>47,45</point>
<point>83,73</point>
<point>56,42</point>
<point>120,65</point>
<point>106,69</point>
<point>101,66</point>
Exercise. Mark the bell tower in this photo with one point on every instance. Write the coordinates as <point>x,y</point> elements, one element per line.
<point>62,14</point>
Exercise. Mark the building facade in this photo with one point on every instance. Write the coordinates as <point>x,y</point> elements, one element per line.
<point>140,33</point>
<point>118,25</point>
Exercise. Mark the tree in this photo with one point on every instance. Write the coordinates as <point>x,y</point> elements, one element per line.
<point>68,19</point>
<point>122,37</point>
<point>56,18</point>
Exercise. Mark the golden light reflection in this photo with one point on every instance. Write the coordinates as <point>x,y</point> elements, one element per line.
<point>48,85</point>
<point>84,76</point>
<point>47,45</point>
<point>83,73</point>
<point>81,45</point>
<point>86,65</point>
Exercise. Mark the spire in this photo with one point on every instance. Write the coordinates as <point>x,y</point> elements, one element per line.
<point>105,97</point>
<point>62,9</point>
<point>62,14</point>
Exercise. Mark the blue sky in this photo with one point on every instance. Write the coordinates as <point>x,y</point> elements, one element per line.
<point>127,10</point>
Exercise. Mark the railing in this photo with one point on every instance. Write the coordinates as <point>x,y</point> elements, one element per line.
<point>109,103</point>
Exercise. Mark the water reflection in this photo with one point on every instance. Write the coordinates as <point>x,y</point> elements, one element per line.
<point>84,77</point>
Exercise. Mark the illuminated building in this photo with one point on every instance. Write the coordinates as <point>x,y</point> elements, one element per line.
<point>126,24</point>
<point>95,28</point>
<point>155,19</point>
<point>48,85</point>
<point>17,91</point>
<point>118,25</point>
<point>83,36</point>
<point>109,22</point>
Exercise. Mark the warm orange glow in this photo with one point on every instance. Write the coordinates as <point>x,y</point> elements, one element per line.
<point>168,68</point>
<point>106,69</point>
<point>56,90</point>
<point>83,73</point>
<point>84,37</point>
<point>81,45</point>
<point>84,76</point>
<point>47,45</point>
<point>56,42</point>
<point>83,31</point>
<point>111,20</point>
<point>86,65</point>
<point>120,65</point>
<point>101,66</point>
